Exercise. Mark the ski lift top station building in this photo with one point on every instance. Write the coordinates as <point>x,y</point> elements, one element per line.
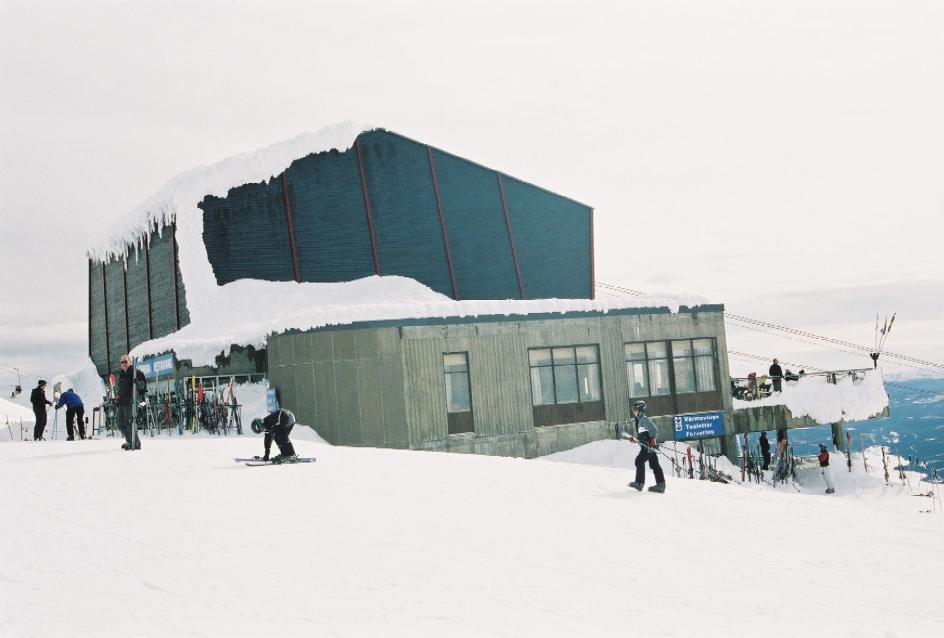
<point>266,241</point>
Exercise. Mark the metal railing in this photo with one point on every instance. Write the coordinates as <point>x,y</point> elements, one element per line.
<point>753,387</point>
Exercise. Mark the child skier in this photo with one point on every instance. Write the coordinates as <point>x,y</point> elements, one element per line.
<point>823,459</point>
<point>647,438</point>
<point>278,426</point>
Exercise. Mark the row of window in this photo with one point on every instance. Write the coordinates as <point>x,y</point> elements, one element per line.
<point>571,374</point>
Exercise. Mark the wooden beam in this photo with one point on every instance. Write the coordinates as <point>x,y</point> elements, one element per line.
<point>442,225</point>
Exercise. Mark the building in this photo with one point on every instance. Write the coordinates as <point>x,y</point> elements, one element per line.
<point>519,376</point>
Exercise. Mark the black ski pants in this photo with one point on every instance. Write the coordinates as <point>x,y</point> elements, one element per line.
<point>40,423</point>
<point>653,459</point>
<point>127,425</point>
<point>280,434</point>
<point>71,415</point>
<point>766,455</point>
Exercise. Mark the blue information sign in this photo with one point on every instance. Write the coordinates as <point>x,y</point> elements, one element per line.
<point>272,400</point>
<point>704,425</point>
<point>160,366</point>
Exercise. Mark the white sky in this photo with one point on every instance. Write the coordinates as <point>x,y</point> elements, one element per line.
<point>785,158</point>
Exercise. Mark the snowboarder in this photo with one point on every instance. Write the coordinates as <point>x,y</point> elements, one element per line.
<point>126,407</point>
<point>646,433</point>
<point>765,450</point>
<point>75,409</point>
<point>278,426</point>
<point>776,374</point>
<point>823,459</point>
<point>39,401</point>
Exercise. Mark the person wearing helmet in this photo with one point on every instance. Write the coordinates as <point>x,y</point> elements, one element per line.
<point>278,426</point>
<point>646,436</point>
<point>823,459</point>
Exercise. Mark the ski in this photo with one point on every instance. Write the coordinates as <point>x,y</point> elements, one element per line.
<point>258,462</point>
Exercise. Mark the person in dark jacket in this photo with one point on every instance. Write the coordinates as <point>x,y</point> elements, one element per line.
<point>776,374</point>
<point>129,388</point>
<point>765,450</point>
<point>823,459</point>
<point>74,409</point>
<point>39,401</point>
<point>278,426</point>
<point>647,437</point>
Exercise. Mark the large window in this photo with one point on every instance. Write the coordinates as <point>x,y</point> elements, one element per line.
<point>565,385</point>
<point>565,375</point>
<point>458,392</point>
<point>675,376</point>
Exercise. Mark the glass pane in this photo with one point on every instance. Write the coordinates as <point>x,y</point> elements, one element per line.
<point>563,356</point>
<point>659,377</point>
<point>684,375</point>
<point>638,383</point>
<point>457,392</point>
<point>565,380</point>
<point>635,351</point>
<point>588,381</point>
<point>587,354</point>
<point>704,346</point>
<point>456,362</point>
<point>539,357</point>
<point>657,350</point>
<point>542,386</point>
<point>705,374</point>
<point>681,348</point>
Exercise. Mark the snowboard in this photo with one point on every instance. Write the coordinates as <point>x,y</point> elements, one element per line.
<point>256,462</point>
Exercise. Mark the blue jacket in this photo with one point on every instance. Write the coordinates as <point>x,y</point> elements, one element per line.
<point>70,399</point>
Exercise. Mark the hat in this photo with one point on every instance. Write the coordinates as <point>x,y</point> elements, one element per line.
<point>42,382</point>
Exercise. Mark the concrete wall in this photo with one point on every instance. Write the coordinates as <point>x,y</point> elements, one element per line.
<point>385,386</point>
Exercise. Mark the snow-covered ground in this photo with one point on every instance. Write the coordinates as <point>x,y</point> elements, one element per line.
<point>178,539</point>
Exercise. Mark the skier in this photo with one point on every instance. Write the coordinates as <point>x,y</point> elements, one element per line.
<point>823,459</point>
<point>74,409</point>
<point>646,432</point>
<point>278,426</point>
<point>776,373</point>
<point>765,450</point>
<point>126,407</point>
<point>39,401</point>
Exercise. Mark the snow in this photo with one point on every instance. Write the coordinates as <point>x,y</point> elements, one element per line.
<point>177,539</point>
<point>13,417</point>
<point>245,312</point>
<point>85,382</point>
<point>846,400</point>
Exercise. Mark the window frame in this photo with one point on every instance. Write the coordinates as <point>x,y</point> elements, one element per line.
<point>575,365</point>
<point>459,421</point>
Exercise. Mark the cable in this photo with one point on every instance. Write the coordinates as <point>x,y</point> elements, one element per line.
<point>800,333</point>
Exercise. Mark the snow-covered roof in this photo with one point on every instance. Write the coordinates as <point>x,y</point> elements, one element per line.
<point>245,312</point>
<point>845,400</point>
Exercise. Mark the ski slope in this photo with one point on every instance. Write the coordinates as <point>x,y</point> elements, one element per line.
<point>179,540</point>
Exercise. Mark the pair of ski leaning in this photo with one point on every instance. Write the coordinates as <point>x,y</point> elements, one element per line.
<point>648,444</point>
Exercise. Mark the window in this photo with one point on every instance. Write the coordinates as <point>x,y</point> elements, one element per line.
<point>647,369</point>
<point>658,357</point>
<point>458,392</point>
<point>564,375</point>
<point>705,379</point>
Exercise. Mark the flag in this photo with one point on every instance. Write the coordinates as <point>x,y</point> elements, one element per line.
<point>891,322</point>
<point>885,327</point>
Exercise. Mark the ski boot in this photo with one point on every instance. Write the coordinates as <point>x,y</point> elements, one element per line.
<point>125,446</point>
<point>830,490</point>
<point>658,487</point>
<point>283,458</point>
<point>636,486</point>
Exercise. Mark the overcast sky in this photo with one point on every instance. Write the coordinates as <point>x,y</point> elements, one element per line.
<point>785,158</point>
